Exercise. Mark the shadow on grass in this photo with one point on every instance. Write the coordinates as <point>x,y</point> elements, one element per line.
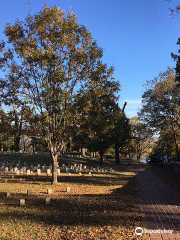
<point>89,180</point>
<point>120,207</point>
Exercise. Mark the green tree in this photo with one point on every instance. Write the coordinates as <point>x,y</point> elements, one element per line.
<point>121,131</point>
<point>164,149</point>
<point>142,135</point>
<point>6,138</point>
<point>13,96</point>
<point>58,59</point>
<point>99,101</point>
<point>161,105</point>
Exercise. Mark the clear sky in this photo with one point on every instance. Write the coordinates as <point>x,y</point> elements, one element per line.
<point>137,36</point>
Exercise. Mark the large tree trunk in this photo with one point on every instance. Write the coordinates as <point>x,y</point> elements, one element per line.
<point>138,156</point>
<point>101,157</point>
<point>176,146</point>
<point>117,155</point>
<point>138,152</point>
<point>17,144</point>
<point>175,141</point>
<point>33,144</point>
<point>54,169</point>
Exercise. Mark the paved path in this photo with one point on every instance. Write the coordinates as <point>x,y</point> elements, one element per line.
<point>161,206</point>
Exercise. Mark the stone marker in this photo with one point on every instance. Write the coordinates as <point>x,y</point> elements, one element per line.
<point>68,189</point>
<point>21,202</point>
<point>58,172</point>
<point>48,200</point>
<point>29,192</point>
<point>49,191</point>
<point>38,171</point>
<point>48,172</point>
<point>8,194</point>
<point>28,172</point>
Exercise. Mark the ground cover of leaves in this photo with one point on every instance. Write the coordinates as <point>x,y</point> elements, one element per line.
<point>104,206</point>
<point>167,174</point>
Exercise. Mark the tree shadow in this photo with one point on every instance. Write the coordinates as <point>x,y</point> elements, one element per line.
<point>99,179</point>
<point>119,207</point>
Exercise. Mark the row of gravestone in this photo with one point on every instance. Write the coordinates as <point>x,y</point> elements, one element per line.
<point>29,192</point>
<point>76,168</point>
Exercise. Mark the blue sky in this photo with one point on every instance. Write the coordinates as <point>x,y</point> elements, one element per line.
<point>137,36</point>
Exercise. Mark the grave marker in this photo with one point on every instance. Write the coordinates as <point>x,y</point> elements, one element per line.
<point>29,192</point>
<point>21,202</point>
<point>49,191</point>
<point>8,194</point>
<point>47,199</point>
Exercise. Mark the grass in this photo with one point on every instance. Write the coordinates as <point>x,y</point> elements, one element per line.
<point>104,206</point>
<point>167,175</point>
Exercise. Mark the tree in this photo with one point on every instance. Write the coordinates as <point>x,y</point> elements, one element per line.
<point>99,101</point>
<point>161,105</point>
<point>164,150</point>
<point>58,59</point>
<point>176,57</point>
<point>6,139</point>
<point>142,135</point>
<point>12,95</point>
<point>121,131</point>
<point>175,9</point>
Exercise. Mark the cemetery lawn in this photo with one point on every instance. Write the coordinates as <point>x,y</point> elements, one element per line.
<point>167,175</point>
<point>104,206</point>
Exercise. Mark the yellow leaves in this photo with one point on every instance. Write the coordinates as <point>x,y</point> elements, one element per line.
<point>100,206</point>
